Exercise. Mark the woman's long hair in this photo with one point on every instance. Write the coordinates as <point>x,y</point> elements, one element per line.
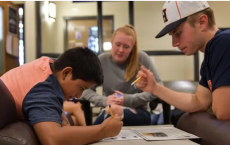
<point>133,59</point>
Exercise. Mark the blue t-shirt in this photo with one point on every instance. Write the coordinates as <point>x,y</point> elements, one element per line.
<point>44,102</point>
<point>215,68</point>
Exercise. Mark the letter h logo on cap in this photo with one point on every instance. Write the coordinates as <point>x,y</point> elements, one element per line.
<point>164,15</point>
<point>176,12</point>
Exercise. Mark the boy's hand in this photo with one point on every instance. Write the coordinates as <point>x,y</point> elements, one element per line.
<point>117,109</point>
<point>112,126</point>
<point>147,81</point>
<point>65,121</point>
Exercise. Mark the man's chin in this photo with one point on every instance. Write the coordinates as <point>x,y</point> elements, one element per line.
<point>189,53</point>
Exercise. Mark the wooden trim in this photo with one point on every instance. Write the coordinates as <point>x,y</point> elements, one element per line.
<point>100,26</point>
<point>87,17</point>
<point>164,52</point>
<point>9,61</point>
<point>131,13</point>
<point>53,55</point>
<point>39,31</point>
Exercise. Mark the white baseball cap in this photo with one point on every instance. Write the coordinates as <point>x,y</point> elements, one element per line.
<point>176,12</point>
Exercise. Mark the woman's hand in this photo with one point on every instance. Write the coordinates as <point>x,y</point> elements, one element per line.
<point>117,98</point>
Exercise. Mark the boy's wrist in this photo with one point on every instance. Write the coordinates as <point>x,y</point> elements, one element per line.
<point>102,131</point>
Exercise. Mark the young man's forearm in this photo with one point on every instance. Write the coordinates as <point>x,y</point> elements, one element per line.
<point>75,135</point>
<point>183,101</point>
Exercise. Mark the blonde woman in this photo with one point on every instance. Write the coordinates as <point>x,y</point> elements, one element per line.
<point>120,67</point>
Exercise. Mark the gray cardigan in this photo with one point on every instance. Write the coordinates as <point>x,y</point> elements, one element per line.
<point>114,80</point>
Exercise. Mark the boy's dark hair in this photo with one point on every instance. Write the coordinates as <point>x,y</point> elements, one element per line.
<point>83,61</point>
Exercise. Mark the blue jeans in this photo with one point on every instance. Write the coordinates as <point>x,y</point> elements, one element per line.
<point>158,119</point>
<point>141,117</point>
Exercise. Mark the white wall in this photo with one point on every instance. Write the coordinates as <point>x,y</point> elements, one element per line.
<point>48,31</point>
<point>30,31</point>
<point>53,32</point>
<point>119,10</point>
<point>221,12</point>
<point>148,22</point>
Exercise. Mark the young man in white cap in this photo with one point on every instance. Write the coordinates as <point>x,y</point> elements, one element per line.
<point>192,27</point>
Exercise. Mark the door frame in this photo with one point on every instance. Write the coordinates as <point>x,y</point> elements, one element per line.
<point>66,19</point>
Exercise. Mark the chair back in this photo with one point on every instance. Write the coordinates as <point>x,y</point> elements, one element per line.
<point>179,86</point>
<point>7,106</point>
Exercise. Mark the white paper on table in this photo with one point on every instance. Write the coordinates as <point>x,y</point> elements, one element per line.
<point>163,133</point>
<point>123,135</point>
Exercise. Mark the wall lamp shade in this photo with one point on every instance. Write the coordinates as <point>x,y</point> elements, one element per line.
<point>52,10</point>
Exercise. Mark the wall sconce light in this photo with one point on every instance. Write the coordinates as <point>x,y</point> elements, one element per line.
<point>107,46</point>
<point>52,11</point>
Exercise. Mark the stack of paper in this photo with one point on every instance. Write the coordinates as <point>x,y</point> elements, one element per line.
<point>163,133</point>
<point>124,135</point>
<point>152,133</point>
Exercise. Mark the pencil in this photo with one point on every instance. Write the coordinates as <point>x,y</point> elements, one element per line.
<point>137,78</point>
<point>111,112</point>
<point>136,81</point>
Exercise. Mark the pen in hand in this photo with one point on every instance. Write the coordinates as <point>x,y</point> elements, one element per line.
<point>137,78</point>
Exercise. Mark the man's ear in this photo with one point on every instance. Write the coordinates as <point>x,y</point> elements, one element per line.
<point>203,22</point>
<point>66,71</point>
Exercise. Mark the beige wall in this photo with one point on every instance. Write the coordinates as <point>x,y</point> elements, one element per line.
<point>221,11</point>
<point>148,22</point>
<point>30,31</point>
<point>53,41</point>
<point>53,32</point>
<point>119,10</point>
<point>49,31</point>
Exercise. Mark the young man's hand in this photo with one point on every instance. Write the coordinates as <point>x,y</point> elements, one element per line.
<point>147,82</point>
<point>112,126</point>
